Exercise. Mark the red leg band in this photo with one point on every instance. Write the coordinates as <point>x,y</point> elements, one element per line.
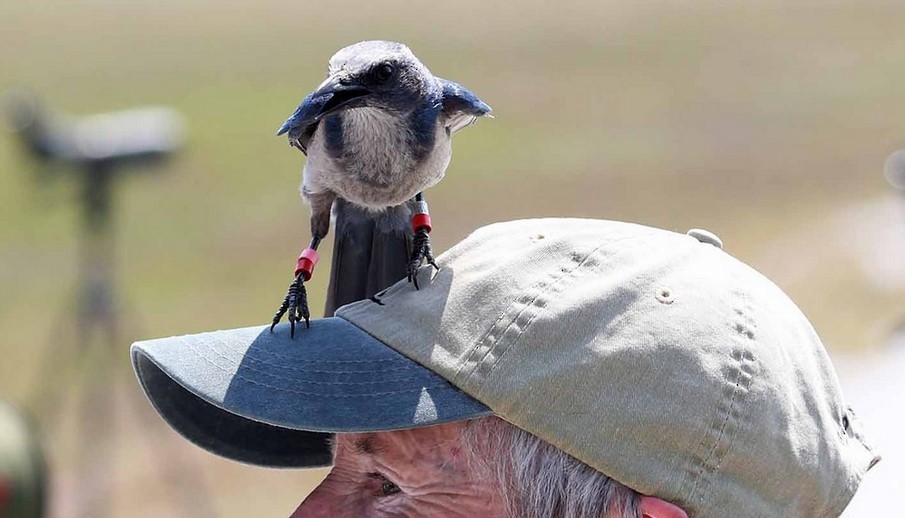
<point>305,263</point>
<point>6,494</point>
<point>421,219</point>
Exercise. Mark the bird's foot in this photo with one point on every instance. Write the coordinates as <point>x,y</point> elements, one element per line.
<point>296,301</point>
<point>421,252</point>
<point>295,304</point>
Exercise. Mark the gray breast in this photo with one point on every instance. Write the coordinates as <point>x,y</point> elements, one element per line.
<point>371,159</point>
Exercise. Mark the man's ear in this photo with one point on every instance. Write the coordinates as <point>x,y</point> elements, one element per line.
<point>652,507</point>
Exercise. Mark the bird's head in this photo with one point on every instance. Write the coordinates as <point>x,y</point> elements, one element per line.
<point>374,74</point>
<point>381,74</point>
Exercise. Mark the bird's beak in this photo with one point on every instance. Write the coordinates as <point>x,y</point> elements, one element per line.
<point>334,94</point>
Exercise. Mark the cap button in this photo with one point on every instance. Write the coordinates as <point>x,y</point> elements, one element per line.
<point>706,236</point>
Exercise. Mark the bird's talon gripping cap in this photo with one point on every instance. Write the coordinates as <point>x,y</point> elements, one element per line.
<point>663,363</point>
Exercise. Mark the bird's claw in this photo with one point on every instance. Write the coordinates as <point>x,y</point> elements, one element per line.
<point>295,304</point>
<point>421,252</point>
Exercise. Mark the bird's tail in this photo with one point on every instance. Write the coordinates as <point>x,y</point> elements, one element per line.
<point>370,252</point>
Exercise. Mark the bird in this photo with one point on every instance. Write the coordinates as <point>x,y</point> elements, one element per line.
<point>377,133</point>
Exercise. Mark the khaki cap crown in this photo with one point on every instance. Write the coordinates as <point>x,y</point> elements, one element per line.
<point>656,358</point>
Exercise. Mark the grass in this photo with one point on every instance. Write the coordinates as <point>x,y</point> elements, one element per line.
<point>763,122</point>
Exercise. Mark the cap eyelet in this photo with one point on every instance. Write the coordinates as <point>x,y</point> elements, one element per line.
<point>665,295</point>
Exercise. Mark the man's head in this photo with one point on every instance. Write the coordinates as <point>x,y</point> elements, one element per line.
<point>484,467</point>
<point>653,358</point>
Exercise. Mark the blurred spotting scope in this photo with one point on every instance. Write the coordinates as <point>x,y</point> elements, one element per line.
<point>114,139</point>
<point>895,169</point>
<point>23,473</point>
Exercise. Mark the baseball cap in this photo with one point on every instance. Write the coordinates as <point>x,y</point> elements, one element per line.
<point>654,357</point>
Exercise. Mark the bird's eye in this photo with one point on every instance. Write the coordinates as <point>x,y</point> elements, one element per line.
<point>383,72</point>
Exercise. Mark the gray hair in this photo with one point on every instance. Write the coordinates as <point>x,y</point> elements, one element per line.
<point>538,480</point>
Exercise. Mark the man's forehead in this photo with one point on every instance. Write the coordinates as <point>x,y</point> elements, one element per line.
<point>378,443</point>
<point>362,444</point>
<point>368,444</point>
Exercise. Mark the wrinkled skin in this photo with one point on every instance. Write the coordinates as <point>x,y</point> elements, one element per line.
<point>407,473</point>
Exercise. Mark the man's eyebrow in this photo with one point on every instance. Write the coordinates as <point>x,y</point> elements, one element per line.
<point>368,445</point>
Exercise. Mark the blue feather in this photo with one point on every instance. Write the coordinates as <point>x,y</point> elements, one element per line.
<point>333,135</point>
<point>457,98</point>
<point>423,126</point>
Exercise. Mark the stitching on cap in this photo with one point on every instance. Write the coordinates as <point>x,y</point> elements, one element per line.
<point>440,386</point>
<point>542,289</point>
<point>480,341</point>
<point>293,380</point>
<point>744,376</point>
<point>297,360</point>
<point>743,360</point>
<point>516,303</point>
<point>407,366</point>
<point>539,288</point>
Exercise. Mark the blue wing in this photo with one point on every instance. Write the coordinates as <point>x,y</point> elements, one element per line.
<point>460,106</point>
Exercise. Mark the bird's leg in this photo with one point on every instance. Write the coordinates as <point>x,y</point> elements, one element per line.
<point>296,301</point>
<point>421,244</point>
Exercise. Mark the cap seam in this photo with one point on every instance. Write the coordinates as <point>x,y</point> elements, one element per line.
<point>236,374</point>
<point>538,301</point>
<point>744,360</point>
<point>538,288</point>
<point>477,345</point>
<point>439,386</point>
<point>292,359</point>
<point>287,367</point>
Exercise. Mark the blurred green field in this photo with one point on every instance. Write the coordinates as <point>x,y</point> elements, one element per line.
<point>765,122</point>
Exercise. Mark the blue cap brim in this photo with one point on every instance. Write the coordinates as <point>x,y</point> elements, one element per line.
<point>263,398</point>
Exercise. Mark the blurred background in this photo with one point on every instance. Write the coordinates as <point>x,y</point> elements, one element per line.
<point>768,123</point>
